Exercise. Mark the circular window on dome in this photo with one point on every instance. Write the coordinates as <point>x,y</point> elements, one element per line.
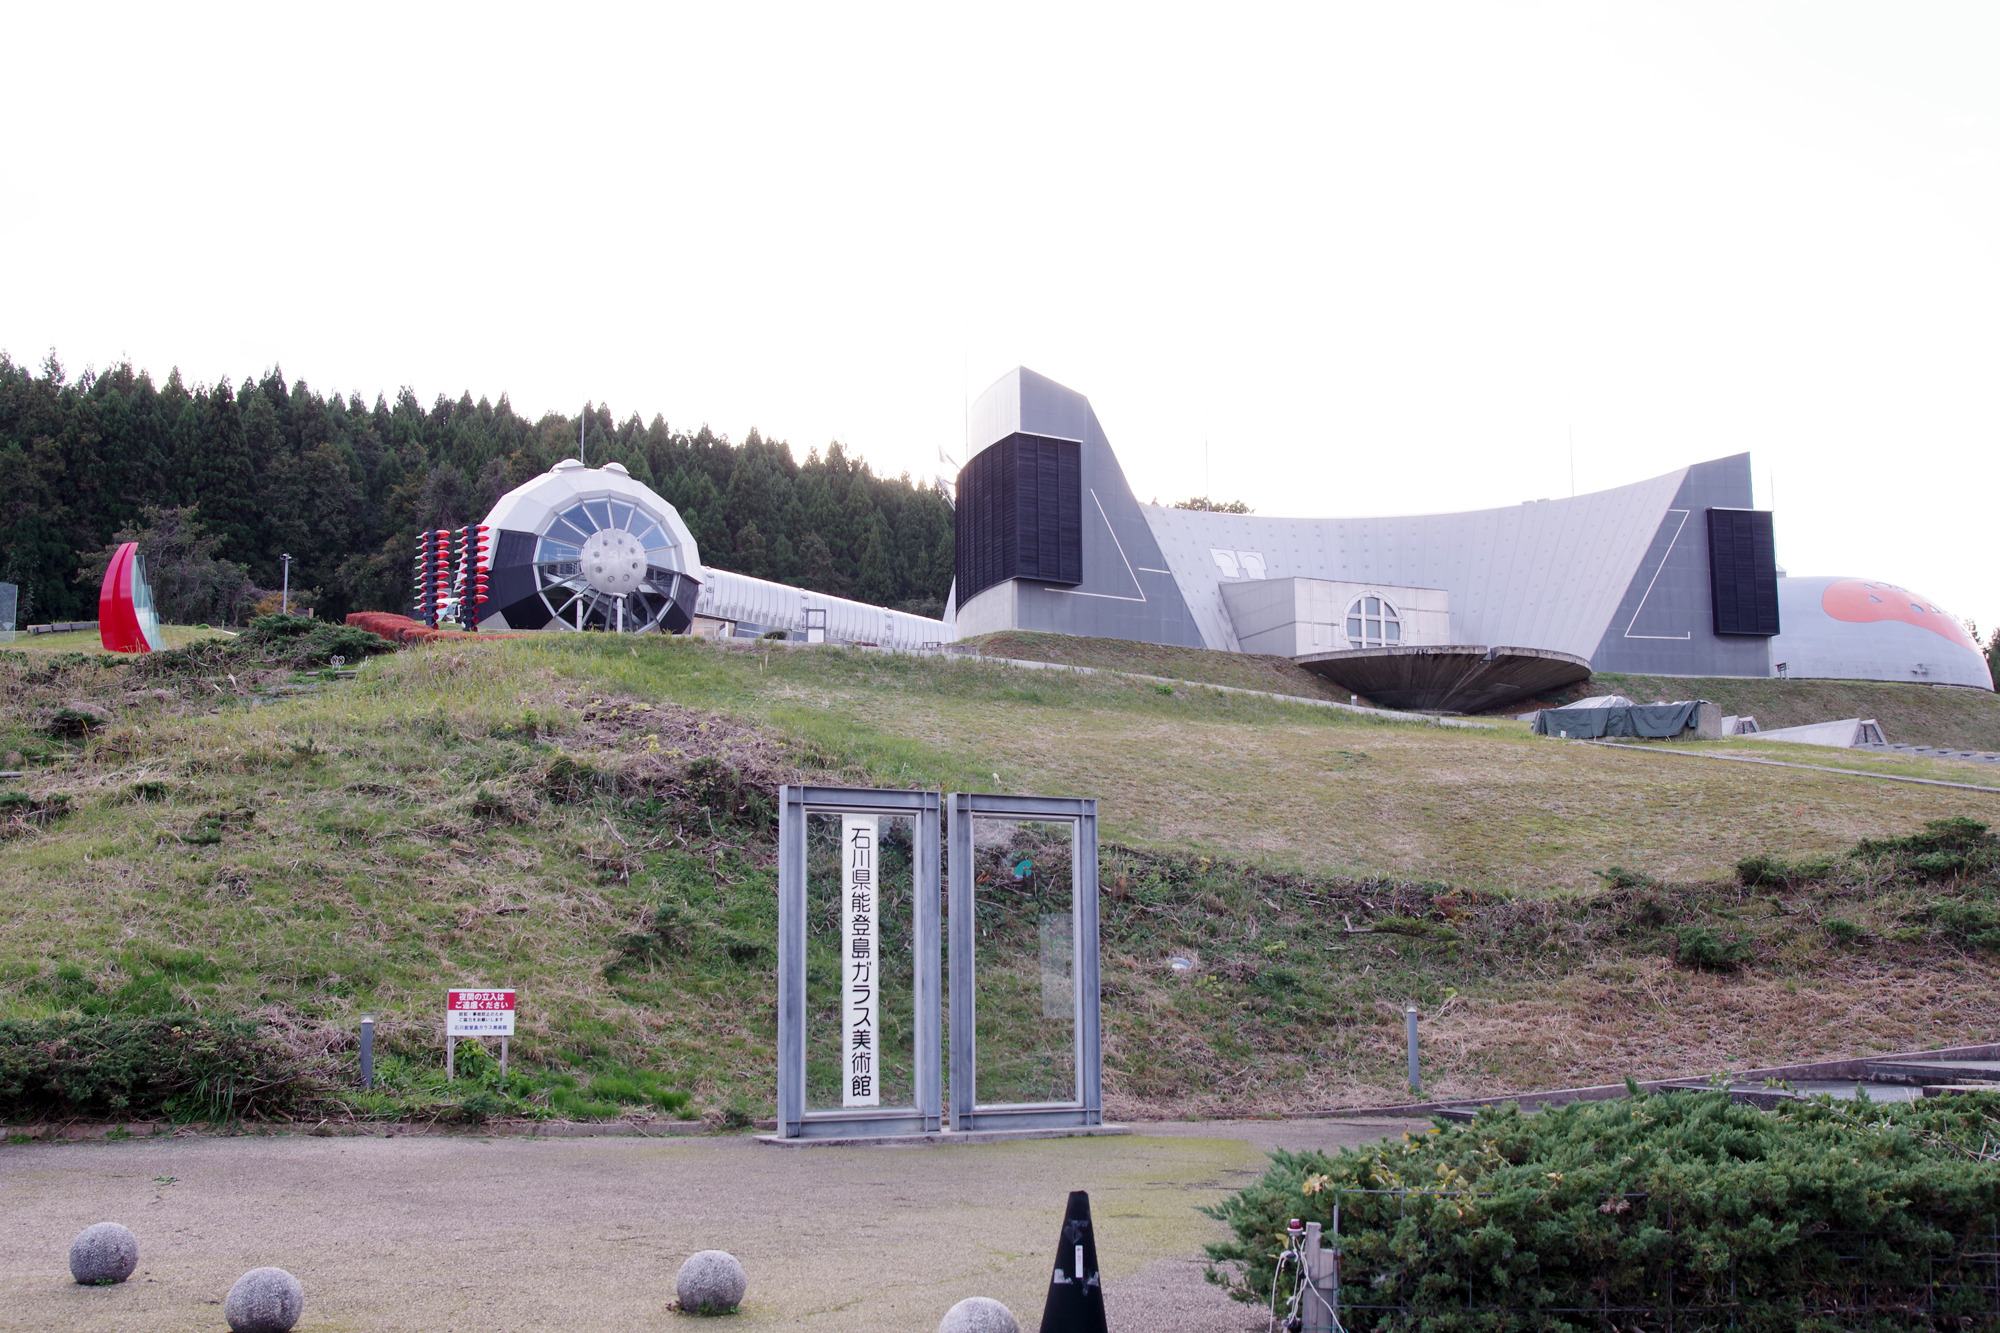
<point>606,564</point>
<point>1373,623</point>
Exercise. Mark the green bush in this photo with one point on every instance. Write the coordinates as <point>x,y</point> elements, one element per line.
<point>669,935</point>
<point>181,1067</point>
<point>1946,848</point>
<point>1966,921</point>
<point>1770,871</point>
<point>1709,950</point>
<point>303,641</point>
<point>1728,1215</point>
<point>724,791</point>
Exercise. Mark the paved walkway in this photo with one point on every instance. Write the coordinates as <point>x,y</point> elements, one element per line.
<point>466,1235</point>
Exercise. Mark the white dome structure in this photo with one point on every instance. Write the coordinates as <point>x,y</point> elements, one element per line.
<point>1866,629</point>
<point>583,548</point>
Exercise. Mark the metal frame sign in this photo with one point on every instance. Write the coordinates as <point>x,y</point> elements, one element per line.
<point>862,965</point>
<point>1081,993</point>
<point>479,1013</point>
<point>858,835</point>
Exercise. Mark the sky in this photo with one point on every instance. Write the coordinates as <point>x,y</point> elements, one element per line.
<point>1326,259</point>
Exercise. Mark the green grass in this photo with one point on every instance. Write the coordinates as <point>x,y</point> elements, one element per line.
<point>89,641</point>
<point>1249,671</point>
<point>589,819</point>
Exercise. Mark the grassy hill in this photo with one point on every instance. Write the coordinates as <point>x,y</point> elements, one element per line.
<point>221,832</point>
<point>1943,715</point>
<point>1940,715</point>
<point>1248,671</point>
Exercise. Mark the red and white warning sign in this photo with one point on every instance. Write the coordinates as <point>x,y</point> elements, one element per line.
<point>479,1013</point>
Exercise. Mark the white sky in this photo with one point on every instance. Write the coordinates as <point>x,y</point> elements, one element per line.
<point>1380,258</point>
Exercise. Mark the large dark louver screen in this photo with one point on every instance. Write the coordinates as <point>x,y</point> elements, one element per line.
<point>1743,571</point>
<point>1020,514</point>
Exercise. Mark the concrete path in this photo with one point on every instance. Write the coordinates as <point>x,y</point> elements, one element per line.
<point>466,1235</point>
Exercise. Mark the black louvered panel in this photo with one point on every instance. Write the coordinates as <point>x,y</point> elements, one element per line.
<point>1020,514</point>
<point>1743,571</point>
<point>1069,514</point>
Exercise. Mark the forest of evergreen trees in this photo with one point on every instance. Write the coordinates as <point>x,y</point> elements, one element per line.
<point>269,467</point>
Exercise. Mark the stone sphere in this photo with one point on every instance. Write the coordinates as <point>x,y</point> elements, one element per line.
<point>102,1254</point>
<point>264,1300</point>
<point>979,1314</point>
<point>711,1282</point>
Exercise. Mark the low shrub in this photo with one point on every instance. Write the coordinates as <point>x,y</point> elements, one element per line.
<point>567,780</point>
<point>668,935</point>
<point>1945,849</point>
<point>726,792</point>
<point>302,641</point>
<point>1727,1215</point>
<point>73,723</point>
<point>1772,872</point>
<point>1966,921</point>
<point>1709,950</point>
<point>20,812</point>
<point>176,1066</point>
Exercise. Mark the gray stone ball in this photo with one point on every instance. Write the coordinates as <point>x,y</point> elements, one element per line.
<point>979,1314</point>
<point>711,1282</point>
<point>102,1254</point>
<point>264,1300</point>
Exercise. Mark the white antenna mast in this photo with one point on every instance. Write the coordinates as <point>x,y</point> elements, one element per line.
<point>582,456</point>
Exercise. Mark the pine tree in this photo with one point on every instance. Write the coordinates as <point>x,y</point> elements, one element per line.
<point>271,466</point>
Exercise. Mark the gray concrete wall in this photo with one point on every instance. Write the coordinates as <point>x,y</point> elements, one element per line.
<point>1664,623</point>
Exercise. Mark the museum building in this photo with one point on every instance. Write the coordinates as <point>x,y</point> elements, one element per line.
<point>1676,575</point>
<point>1673,576</point>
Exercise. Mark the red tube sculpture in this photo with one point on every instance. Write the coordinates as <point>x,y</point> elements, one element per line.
<point>126,622</point>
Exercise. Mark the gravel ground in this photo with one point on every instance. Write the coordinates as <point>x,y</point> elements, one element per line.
<point>451,1234</point>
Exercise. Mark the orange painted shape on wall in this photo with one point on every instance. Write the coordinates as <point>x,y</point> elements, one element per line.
<point>1860,602</point>
<point>126,622</point>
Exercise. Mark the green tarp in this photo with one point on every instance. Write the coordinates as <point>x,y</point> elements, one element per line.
<point>1653,721</point>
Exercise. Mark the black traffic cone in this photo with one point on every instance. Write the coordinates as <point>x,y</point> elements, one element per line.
<point>1076,1293</point>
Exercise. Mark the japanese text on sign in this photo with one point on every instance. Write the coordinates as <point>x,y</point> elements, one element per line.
<point>479,1013</point>
<point>861,1079</point>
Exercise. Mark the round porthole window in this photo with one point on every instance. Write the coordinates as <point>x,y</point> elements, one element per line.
<point>1373,623</point>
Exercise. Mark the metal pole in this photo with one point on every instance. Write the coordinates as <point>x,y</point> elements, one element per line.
<point>1333,1267</point>
<point>450,1058</point>
<point>285,602</point>
<point>1410,1023</point>
<point>1317,1308</point>
<point>962,1036</point>
<point>503,1058</point>
<point>368,1050</point>
<point>791,961</point>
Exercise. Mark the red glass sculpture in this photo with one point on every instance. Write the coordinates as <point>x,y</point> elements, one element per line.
<point>126,622</point>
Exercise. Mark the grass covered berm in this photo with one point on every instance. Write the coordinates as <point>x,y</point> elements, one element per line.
<point>1822,1215</point>
<point>234,833</point>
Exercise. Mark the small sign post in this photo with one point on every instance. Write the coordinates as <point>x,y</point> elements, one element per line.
<point>476,1013</point>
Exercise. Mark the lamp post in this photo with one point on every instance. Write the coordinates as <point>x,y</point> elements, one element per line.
<point>285,602</point>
